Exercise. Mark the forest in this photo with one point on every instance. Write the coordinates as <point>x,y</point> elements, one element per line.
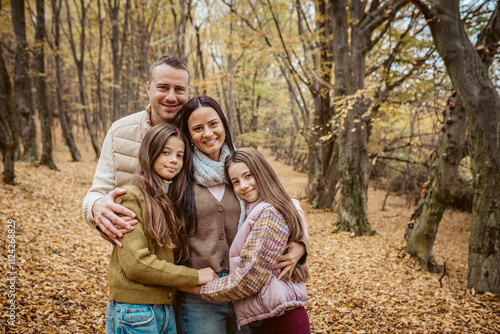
<point>367,100</point>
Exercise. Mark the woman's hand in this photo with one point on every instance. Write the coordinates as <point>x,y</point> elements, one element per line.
<point>190,289</point>
<point>289,260</point>
<point>206,275</point>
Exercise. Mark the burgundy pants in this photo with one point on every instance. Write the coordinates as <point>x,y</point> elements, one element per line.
<point>294,321</point>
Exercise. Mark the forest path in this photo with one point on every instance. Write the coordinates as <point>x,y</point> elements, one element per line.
<point>357,285</point>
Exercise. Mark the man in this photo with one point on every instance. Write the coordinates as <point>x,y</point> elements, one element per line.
<point>168,90</point>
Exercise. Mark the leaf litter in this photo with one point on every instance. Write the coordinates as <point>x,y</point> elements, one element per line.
<point>357,285</point>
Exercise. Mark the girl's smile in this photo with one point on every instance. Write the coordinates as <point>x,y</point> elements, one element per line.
<point>244,183</point>
<point>169,163</point>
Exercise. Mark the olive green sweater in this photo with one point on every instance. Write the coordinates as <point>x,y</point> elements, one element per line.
<point>138,272</point>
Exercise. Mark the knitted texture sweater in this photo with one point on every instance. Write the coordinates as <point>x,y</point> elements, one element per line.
<point>140,273</point>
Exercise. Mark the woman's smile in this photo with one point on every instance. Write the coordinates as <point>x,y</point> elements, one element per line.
<point>207,131</point>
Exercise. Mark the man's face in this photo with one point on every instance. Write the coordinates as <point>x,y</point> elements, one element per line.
<point>168,91</point>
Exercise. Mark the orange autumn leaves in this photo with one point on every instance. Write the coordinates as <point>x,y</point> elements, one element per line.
<point>358,285</point>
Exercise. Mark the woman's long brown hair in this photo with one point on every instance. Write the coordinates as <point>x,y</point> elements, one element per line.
<point>181,119</point>
<point>272,191</point>
<point>164,219</point>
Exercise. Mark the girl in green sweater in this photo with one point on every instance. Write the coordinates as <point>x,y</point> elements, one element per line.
<point>143,273</point>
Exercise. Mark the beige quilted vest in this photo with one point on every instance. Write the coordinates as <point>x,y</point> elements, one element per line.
<point>126,137</point>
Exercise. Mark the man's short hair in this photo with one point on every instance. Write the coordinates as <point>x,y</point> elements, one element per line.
<point>171,61</point>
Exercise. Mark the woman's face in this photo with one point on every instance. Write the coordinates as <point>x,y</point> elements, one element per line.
<point>207,131</point>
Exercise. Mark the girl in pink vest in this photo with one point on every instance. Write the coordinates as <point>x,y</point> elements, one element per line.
<point>267,304</point>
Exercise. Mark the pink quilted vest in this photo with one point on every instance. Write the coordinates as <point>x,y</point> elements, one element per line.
<point>275,297</point>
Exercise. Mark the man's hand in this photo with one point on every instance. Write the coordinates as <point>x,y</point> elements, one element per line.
<point>106,211</point>
<point>289,260</point>
<point>206,275</point>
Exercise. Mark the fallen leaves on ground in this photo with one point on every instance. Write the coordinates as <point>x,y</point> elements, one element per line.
<point>357,285</point>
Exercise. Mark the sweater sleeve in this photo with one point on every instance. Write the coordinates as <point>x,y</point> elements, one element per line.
<point>261,252</point>
<point>104,179</point>
<point>305,238</point>
<point>137,261</point>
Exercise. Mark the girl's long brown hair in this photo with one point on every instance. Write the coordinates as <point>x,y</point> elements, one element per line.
<point>272,191</point>
<point>164,219</point>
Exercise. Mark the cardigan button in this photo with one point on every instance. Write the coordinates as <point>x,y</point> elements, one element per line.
<point>169,295</point>
<point>220,208</point>
<point>221,236</point>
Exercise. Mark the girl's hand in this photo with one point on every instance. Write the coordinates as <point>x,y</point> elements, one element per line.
<point>289,260</point>
<point>190,289</point>
<point>205,275</point>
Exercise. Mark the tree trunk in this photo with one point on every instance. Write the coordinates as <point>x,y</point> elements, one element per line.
<point>326,166</point>
<point>22,84</point>
<point>102,114</point>
<point>230,91</point>
<point>353,158</point>
<point>425,221</point>
<point>436,192</point>
<point>200,60</point>
<point>350,71</point>
<point>145,21</point>
<point>80,71</point>
<point>63,116</point>
<point>353,174</point>
<point>482,103</point>
<point>181,35</point>
<point>44,112</point>
<point>9,133</point>
<point>320,172</point>
<point>255,103</point>
<point>328,187</point>
<point>117,54</point>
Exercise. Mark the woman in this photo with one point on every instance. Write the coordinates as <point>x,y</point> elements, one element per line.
<point>217,215</point>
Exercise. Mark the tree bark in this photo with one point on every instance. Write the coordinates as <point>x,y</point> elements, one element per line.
<point>63,116</point>
<point>482,103</point>
<point>353,159</point>
<point>102,114</point>
<point>44,112</point>
<point>22,84</point>
<point>350,70</point>
<point>117,54</point>
<point>9,133</point>
<point>425,221</point>
<point>200,60</point>
<point>321,189</point>
<point>145,22</point>
<point>436,192</point>
<point>80,72</point>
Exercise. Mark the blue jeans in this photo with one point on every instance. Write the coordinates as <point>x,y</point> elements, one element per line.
<point>196,315</point>
<point>136,318</point>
